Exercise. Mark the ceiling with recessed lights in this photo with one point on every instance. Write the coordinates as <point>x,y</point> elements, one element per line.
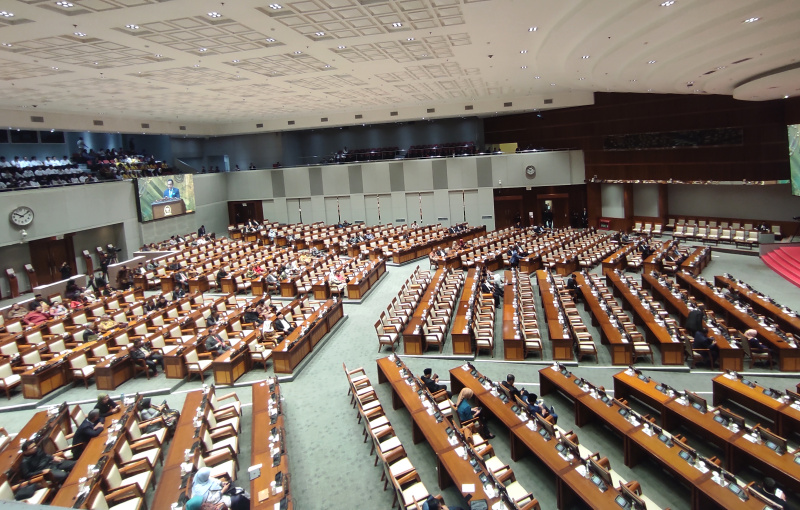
<point>254,60</point>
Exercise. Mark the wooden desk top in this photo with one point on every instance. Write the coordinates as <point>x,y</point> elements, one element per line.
<point>10,453</point>
<point>332,305</point>
<point>260,446</point>
<point>407,393</point>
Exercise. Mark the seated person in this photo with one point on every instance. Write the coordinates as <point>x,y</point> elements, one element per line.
<point>58,310</point>
<point>433,503</point>
<point>488,287</point>
<point>282,325</point>
<point>216,345</point>
<point>703,341</point>
<point>90,334</point>
<point>17,311</point>
<point>508,384</point>
<point>105,405</point>
<point>213,490</point>
<point>751,335</point>
<point>35,461</point>
<point>91,427</point>
<point>538,406</point>
<point>771,490</point>
<point>431,381</point>
<point>573,287</point>
<point>161,302</point>
<point>251,316</point>
<point>35,317</point>
<point>337,281</point>
<point>212,318</point>
<point>467,412</point>
<point>141,351</point>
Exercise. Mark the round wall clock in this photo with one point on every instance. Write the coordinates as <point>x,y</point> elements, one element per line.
<point>22,216</point>
<point>530,172</point>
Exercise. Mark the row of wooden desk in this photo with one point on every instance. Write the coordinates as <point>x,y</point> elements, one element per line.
<point>413,334</point>
<point>268,425</point>
<point>639,444</point>
<point>787,321</point>
<point>461,332</point>
<point>620,348</point>
<point>297,345</point>
<point>417,250</point>
<point>788,356</point>
<point>739,451</point>
<point>571,485</point>
<point>560,340</point>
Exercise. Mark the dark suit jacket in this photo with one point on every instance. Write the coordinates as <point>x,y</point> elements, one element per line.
<point>83,434</point>
<point>512,390</point>
<point>694,321</point>
<point>281,325</point>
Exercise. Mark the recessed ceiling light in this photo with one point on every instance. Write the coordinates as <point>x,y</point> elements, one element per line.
<point>397,25</point>
<point>533,29</point>
<point>327,66</point>
<point>7,45</point>
<point>410,39</point>
<point>54,68</point>
<point>667,3</point>
<point>537,77</point>
<point>65,5</point>
<point>298,52</point>
<point>721,67</point>
<point>197,65</point>
<point>424,54</point>
<point>275,6</point>
<point>96,63</point>
<point>132,27</point>
<point>203,50</point>
<point>6,14</point>
<point>342,47</point>
<point>748,20</point>
<point>786,96</point>
<point>320,34</point>
<point>270,39</point>
<point>633,79</point>
<point>523,51</point>
<point>236,61</point>
<point>552,84</point>
<point>581,79</point>
<point>158,55</point>
<point>651,62</point>
<point>524,67</point>
<point>585,57</point>
<point>214,14</point>
<point>689,83</point>
<point>80,34</point>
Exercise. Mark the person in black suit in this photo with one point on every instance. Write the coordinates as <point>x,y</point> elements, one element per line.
<point>282,325</point>
<point>91,427</point>
<point>508,384</point>
<point>573,287</point>
<point>215,344</point>
<point>703,341</point>
<point>35,461</point>
<point>694,321</point>
<point>488,287</point>
<point>201,231</point>
<point>431,381</point>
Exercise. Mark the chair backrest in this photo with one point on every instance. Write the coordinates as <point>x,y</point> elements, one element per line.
<point>6,494</point>
<point>113,477</point>
<point>31,357</point>
<point>34,337</point>
<point>77,415</point>
<point>79,362</point>
<point>60,440</point>
<point>57,328</point>
<point>191,356</point>
<point>125,453</point>
<point>99,502</point>
<point>158,341</point>
<point>9,349</point>
<point>100,350</point>
<point>58,346</point>
<point>5,370</point>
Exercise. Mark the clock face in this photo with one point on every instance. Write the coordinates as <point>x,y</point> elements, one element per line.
<point>22,216</point>
<point>530,171</point>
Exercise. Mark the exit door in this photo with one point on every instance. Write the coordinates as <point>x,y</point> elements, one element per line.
<point>47,255</point>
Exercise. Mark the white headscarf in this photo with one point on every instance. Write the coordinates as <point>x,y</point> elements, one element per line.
<point>203,483</point>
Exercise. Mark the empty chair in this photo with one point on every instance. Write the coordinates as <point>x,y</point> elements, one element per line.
<point>8,379</point>
<point>81,369</point>
<point>195,365</point>
<point>386,337</point>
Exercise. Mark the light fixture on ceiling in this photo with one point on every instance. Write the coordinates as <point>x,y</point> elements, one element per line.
<point>327,66</point>
<point>298,52</point>
<point>65,5</point>
<point>552,84</point>
<point>720,68</point>
<point>751,20</point>
<point>581,79</point>
<point>54,68</point>
<point>585,57</point>
<point>236,61</point>
<point>270,40</point>
<point>197,65</point>
<point>96,63</point>
<point>132,27</point>
<point>214,15</point>
<point>80,34</point>
<point>667,3</point>
<point>342,47</point>
<point>203,50</point>
<point>6,14</point>
<point>651,61</point>
<point>410,39</point>
<point>533,29</point>
<point>689,83</point>
<point>786,96</point>
<point>523,51</point>
<point>397,25</point>
<point>633,80</point>
<point>7,45</point>
<point>159,55</point>
<point>319,34</point>
<point>524,67</point>
<point>275,6</point>
<point>537,77</point>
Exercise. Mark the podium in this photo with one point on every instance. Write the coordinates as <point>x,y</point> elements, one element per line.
<point>167,208</point>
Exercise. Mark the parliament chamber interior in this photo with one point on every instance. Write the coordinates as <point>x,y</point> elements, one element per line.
<point>575,288</point>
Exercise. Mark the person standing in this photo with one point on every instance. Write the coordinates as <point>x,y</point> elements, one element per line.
<point>66,271</point>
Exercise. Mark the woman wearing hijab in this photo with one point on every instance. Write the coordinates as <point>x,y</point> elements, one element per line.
<point>467,412</point>
<point>209,488</point>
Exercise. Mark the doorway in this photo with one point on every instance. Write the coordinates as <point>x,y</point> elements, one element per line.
<point>241,212</point>
<point>48,254</point>
<point>555,206</point>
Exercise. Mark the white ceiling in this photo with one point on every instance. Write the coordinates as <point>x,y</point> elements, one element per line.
<point>262,64</point>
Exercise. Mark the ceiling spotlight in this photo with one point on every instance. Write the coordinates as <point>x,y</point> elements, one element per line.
<point>275,6</point>
<point>320,34</point>
<point>298,52</point>
<point>633,80</point>
<point>197,65</point>
<point>214,15</point>
<point>80,34</point>
<point>410,39</point>
<point>327,66</point>
<point>651,61</point>
<point>524,67</point>
<point>667,3</point>
<point>786,96</point>
<point>203,50</point>
<point>54,68</point>
<point>159,55</point>
<point>132,27</point>
<point>533,29</point>
<point>6,14</point>
<point>585,57</point>
<point>523,51</point>
<point>236,61</point>
<point>65,5</point>
<point>689,83</point>
<point>270,40</point>
<point>720,68</point>
<point>342,47</point>
<point>397,25</point>
<point>537,77</point>
<point>96,63</point>
<point>748,20</point>
<point>581,79</point>
<point>552,84</point>
<point>7,45</point>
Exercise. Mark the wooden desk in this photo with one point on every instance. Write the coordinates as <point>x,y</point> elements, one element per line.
<point>232,364</point>
<point>40,423</point>
<point>260,447</point>
<point>761,305</point>
<point>170,484</point>
<point>114,371</point>
<point>38,382</point>
<point>697,260</point>
<point>561,344</point>
<point>620,349</point>
<point>513,345</point>
<point>285,358</point>
<point>365,280</point>
<point>785,418</point>
<point>414,338</point>
<point>462,340</point>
